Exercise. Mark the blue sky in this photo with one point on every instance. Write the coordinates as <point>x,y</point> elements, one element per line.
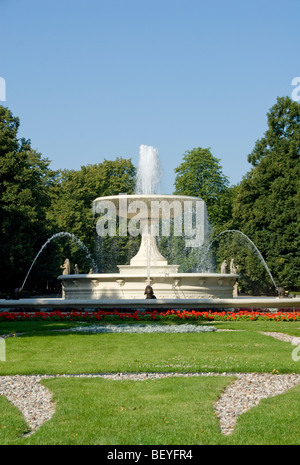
<point>96,79</point>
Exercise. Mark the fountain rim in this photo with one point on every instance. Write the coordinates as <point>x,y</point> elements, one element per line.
<point>148,197</point>
<point>153,275</point>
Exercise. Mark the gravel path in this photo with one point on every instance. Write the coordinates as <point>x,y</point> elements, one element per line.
<point>32,399</point>
<point>283,337</point>
<point>246,392</point>
<point>35,401</point>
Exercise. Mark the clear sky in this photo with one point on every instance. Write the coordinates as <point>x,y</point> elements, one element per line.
<point>95,79</point>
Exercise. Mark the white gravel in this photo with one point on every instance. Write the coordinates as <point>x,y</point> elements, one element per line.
<point>155,328</point>
<point>32,399</point>
<point>283,337</point>
<point>246,392</point>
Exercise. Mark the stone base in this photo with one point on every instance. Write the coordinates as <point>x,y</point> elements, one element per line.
<point>132,286</point>
<point>267,303</point>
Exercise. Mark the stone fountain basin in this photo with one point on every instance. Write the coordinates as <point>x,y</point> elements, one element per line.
<point>132,285</point>
<point>267,303</point>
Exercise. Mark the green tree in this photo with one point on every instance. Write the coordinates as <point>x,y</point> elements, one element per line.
<point>25,179</point>
<point>200,175</point>
<point>71,209</point>
<point>266,206</point>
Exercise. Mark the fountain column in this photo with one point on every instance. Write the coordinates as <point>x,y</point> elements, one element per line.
<point>148,180</point>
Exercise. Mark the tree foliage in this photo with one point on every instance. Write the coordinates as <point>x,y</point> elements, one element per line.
<point>36,203</point>
<point>266,204</point>
<point>72,209</point>
<point>25,178</point>
<point>76,190</point>
<point>200,175</point>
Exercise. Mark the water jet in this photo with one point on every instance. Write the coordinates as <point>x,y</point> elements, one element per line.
<point>54,236</point>
<point>252,244</point>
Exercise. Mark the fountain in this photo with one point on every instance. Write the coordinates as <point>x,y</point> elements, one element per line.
<point>149,214</point>
<point>141,213</point>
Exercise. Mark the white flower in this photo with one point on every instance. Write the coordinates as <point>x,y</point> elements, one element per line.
<point>153,328</point>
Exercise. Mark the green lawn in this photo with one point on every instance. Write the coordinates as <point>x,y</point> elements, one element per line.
<point>164,411</point>
<point>171,411</point>
<point>52,352</point>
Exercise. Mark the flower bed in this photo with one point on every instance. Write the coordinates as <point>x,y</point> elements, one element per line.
<point>239,315</point>
<point>178,316</point>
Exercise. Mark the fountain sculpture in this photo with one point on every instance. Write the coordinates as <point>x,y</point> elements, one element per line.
<point>142,213</point>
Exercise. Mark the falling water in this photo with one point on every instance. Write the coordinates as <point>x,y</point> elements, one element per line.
<point>251,242</point>
<point>149,171</point>
<point>60,234</point>
<point>148,182</point>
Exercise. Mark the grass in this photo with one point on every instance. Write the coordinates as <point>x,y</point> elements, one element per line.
<point>12,424</point>
<point>176,411</point>
<point>275,421</point>
<point>50,352</point>
<point>113,412</point>
<point>166,411</point>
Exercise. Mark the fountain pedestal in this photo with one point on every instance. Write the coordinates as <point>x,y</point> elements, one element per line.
<point>148,261</point>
